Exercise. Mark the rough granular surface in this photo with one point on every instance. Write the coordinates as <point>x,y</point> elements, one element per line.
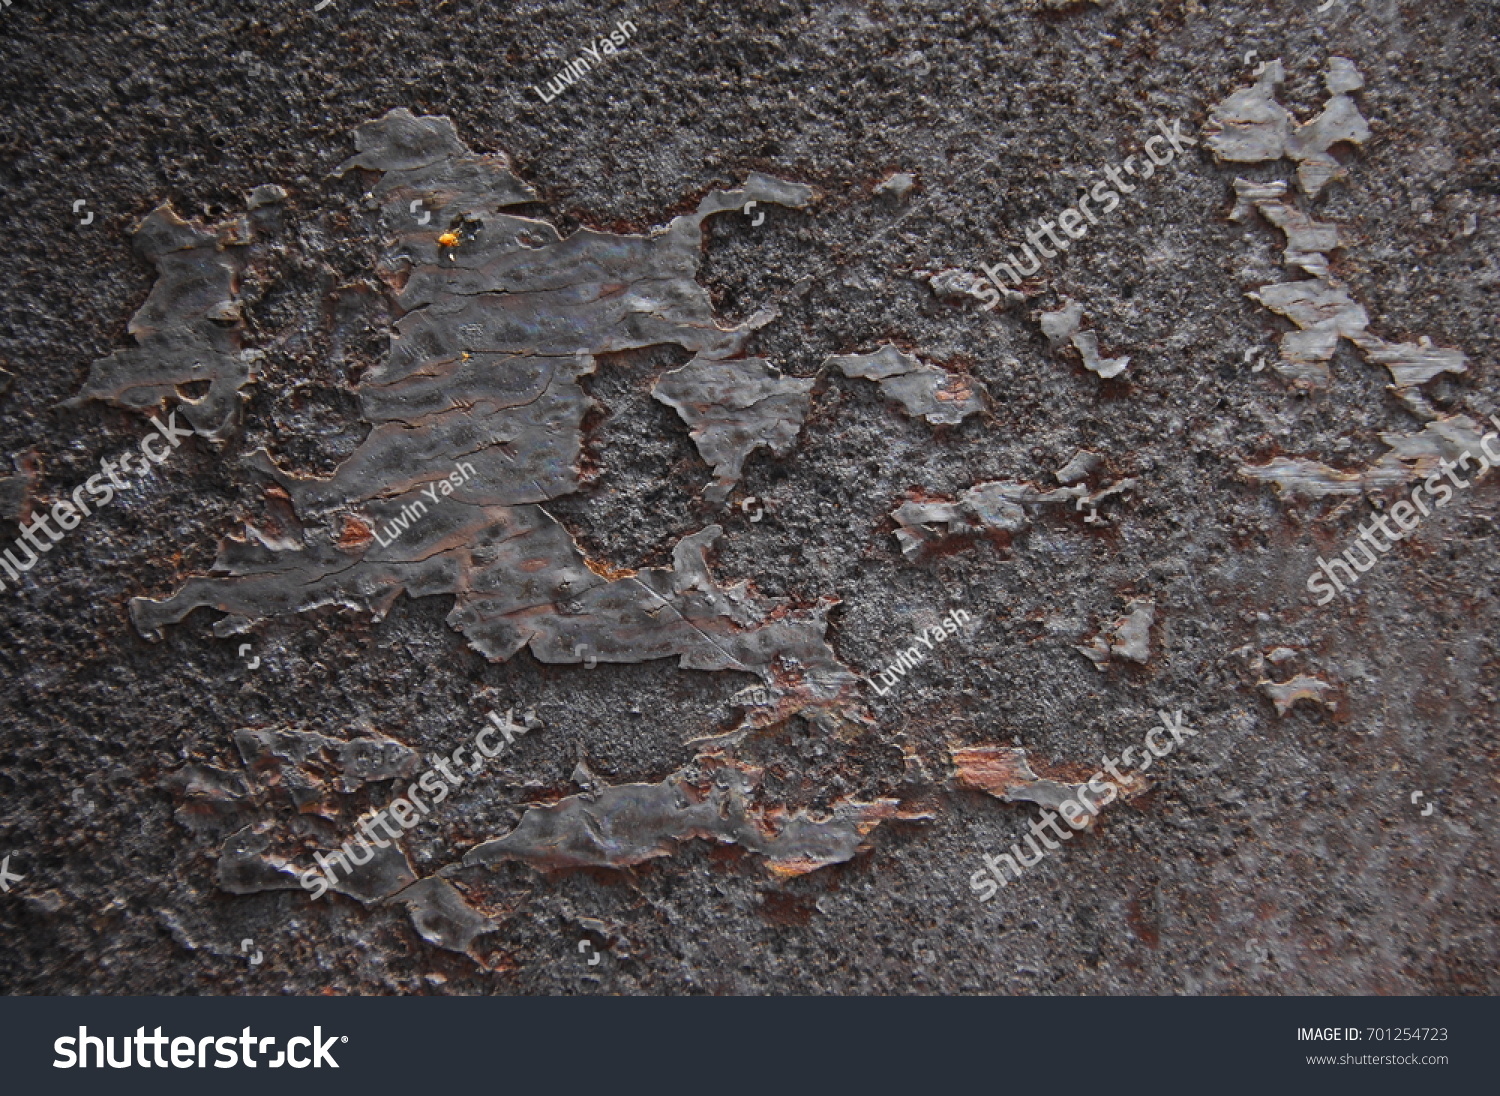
<point>612,513</point>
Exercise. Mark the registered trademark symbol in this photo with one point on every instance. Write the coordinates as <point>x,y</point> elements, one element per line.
<point>343,1038</point>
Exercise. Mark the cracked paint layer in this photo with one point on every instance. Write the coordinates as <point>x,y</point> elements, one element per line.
<point>494,331</point>
<point>733,408</point>
<point>628,824</point>
<point>189,333</point>
<point>924,390</point>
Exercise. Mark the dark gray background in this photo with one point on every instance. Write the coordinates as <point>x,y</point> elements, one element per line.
<point>1276,855</point>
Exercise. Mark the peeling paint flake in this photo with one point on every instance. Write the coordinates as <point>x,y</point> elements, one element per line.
<point>1064,326</point>
<point>897,184</point>
<point>1413,364</point>
<point>1250,126</point>
<point>1132,635</point>
<point>1081,465</point>
<point>1412,457</point>
<point>1302,687</point>
<point>441,916</point>
<point>1128,638</point>
<point>478,413</point>
<point>996,506</point>
<point>1308,242</point>
<point>298,758</point>
<point>1005,773</point>
<point>1339,121</point>
<point>924,390</point>
<point>1323,312</point>
<point>247,866</point>
<point>189,332</point>
<point>733,408</point>
<point>209,796</point>
<point>627,824</point>
<point>388,871</point>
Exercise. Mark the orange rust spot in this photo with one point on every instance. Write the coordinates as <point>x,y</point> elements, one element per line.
<point>604,570</point>
<point>993,769</point>
<point>790,869</point>
<point>503,962</point>
<point>448,239</point>
<point>355,534</point>
<point>999,770</point>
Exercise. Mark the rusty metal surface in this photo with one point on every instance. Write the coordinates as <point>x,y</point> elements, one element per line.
<point>589,406</point>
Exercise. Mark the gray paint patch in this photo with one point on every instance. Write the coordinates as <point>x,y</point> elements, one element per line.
<point>442,917</point>
<point>499,317</point>
<point>734,408</point>
<point>631,823</point>
<point>189,332</point>
<point>924,390</point>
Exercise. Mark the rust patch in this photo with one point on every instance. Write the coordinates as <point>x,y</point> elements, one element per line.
<point>789,910</point>
<point>1143,926</point>
<point>604,570</point>
<point>1005,772</point>
<point>356,534</point>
